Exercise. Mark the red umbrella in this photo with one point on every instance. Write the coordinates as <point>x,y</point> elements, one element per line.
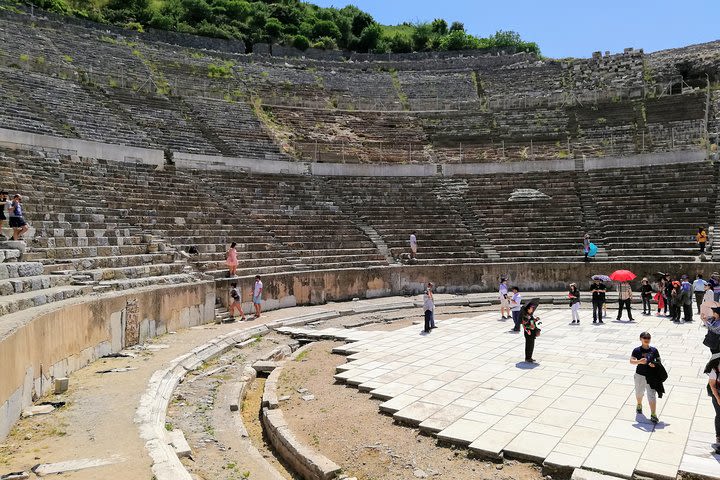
<point>622,275</point>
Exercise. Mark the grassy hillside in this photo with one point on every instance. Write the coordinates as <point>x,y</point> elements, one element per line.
<point>289,22</point>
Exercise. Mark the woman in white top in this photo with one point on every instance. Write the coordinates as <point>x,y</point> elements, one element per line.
<point>712,369</point>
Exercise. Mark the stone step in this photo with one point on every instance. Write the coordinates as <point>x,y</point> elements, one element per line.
<point>10,270</point>
<point>22,301</point>
<point>30,284</point>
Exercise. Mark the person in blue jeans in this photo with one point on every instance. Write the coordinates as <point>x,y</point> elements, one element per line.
<point>515,307</point>
<point>429,308</point>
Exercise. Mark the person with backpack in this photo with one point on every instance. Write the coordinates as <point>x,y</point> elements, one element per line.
<point>531,328</point>
<point>598,290</point>
<point>236,301</point>
<point>574,296</point>
<point>645,357</point>
<point>712,370</point>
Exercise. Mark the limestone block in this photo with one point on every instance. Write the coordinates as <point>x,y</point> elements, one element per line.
<point>61,385</point>
<point>176,439</point>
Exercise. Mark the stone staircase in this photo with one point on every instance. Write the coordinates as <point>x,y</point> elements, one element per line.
<point>590,220</point>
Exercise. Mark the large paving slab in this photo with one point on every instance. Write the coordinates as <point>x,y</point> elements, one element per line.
<point>466,383</point>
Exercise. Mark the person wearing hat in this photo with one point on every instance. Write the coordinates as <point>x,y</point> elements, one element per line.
<point>645,357</point>
<point>531,328</point>
<point>712,370</point>
<point>504,301</point>
<point>429,307</point>
<point>715,282</point>
<point>712,322</point>
<point>574,296</point>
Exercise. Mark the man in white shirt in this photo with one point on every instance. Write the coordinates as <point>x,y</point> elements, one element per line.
<point>515,307</point>
<point>257,296</point>
<point>413,245</point>
<point>699,290</point>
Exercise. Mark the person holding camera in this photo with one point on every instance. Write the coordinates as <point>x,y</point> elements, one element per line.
<point>645,357</point>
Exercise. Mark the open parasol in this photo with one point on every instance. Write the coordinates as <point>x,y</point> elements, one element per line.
<point>602,278</point>
<point>622,276</point>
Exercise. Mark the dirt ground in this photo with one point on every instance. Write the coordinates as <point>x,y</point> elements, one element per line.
<point>345,426</point>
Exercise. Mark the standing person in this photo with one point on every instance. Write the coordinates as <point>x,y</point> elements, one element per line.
<point>712,370</point>
<point>699,290</point>
<point>702,239</point>
<point>625,296</point>
<point>531,328</point>
<point>646,295</point>
<point>504,302</point>
<point>235,301</point>
<point>645,357</point>
<point>586,247</point>
<point>687,298</point>
<point>429,307</point>
<point>257,296</point>
<point>574,296</point>
<point>660,296</point>
<point>17,218</point>
<point>676,301</point>
<point>413,245</point>
<point>231,259</point>
<point>715,281</point>
<point>515,307</point>
<point>598,290</point>
<point>712,337</point>
<point>3,208</point>
<point>668,295</point>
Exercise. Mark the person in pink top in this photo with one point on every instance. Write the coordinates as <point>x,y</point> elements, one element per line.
<point>231,259</point>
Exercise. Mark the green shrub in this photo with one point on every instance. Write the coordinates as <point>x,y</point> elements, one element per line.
<point>301,42</point>
<point>223,70</point>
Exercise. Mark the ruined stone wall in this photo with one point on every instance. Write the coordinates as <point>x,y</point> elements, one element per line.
<point>37,347</point>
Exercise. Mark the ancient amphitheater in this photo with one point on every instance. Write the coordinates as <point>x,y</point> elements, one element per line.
<point>141,157</point>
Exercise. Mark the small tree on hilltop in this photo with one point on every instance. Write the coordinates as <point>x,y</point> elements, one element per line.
<point>440,26</point>
<point>457,27</point>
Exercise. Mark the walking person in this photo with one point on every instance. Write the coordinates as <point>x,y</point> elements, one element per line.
<point>504,301</point>
<point>646,295</point>
<point>574,296</point>
<point>712,370</point>
<point>257,296</point>
<point>515,307</point>
<point>699,290</point>
<point>702,239</point>
<point>625,296</point>
<point>235,301</point>
<point>231,259</point>
<point>429,308</point>
<point>413,245</point>
<point>599,291</point>
<point>4,204</point>
<point>531,329</point>
<point>645,357</point>
<point>586,247</point>
<point>17,218</point>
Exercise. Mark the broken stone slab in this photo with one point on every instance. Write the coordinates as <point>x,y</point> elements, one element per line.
<point>61,385</point>
<point>580,474</point>
<point>15,476</point>
<point>44,469</point>
<point>118,370</point>
<point>37,410</point>
<point>264,366</point>
<point>308,398</point>
<point>210,373</point>
<point>176,439</point>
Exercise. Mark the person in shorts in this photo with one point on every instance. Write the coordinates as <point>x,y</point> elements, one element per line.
<point>235,301</point>
<point>257,296</point>
<point>504,300</point>
<point>4,204</point>
<point>645,357</point>
<point>17,218</point>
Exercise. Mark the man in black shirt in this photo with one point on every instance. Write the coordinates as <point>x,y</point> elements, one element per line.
<point>598,290</point>
<point>645,357</point>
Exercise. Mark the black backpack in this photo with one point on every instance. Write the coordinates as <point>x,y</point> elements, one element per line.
<point>712,341</point>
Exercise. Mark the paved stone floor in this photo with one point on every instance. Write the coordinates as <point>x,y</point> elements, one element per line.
<point>466,383</point>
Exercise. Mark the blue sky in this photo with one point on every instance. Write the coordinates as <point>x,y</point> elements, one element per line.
<point>565,28</point>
